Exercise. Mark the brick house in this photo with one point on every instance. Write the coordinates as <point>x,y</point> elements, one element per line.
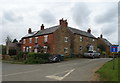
<point>105,43</point>
<point>60,39</point>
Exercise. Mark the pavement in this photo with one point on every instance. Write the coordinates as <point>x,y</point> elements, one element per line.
<point>73,70</point>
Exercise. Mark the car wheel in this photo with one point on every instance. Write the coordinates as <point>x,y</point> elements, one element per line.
<point>93,57</point>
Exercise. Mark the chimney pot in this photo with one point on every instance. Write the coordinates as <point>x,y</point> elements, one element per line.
<point>29,31</point>
<point>63,22</point>
<point>89,30</point>
<point>42,27</point>
<point>101,36</point>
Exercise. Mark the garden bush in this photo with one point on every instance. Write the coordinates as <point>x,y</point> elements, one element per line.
<point>20,56</point>
<point>37,58</point>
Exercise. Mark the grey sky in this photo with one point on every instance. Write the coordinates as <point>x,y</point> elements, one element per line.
<point>19,15</point>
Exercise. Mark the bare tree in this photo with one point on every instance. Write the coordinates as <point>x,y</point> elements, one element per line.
<point>8,40</point>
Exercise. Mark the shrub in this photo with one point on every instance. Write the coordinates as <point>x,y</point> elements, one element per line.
<point>37,58</point>
<point>20,56</point>
<point>12,52</point>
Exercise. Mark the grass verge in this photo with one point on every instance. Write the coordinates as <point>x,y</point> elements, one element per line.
<point>107,73</point>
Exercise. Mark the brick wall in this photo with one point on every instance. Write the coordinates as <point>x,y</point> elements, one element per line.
<point>40,42</point>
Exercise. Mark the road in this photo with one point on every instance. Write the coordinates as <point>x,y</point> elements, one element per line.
<point>72,70</point>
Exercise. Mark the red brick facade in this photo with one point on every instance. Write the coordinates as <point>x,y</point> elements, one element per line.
<point>59,39</point>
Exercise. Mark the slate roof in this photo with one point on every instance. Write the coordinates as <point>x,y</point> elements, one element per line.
<point>54,28</point>
<point>106,41</point>
<point>30,35</point>
<point>47,30</point>
<point>81,32</point>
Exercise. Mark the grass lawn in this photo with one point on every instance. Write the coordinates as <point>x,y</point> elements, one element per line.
<point>107,73</point>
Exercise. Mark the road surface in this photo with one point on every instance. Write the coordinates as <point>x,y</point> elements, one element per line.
<point>72,70</point>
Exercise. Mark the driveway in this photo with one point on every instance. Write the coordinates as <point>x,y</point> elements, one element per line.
<point>72,70</point>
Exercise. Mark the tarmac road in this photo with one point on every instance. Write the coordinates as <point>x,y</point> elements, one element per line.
<point>72,70</point>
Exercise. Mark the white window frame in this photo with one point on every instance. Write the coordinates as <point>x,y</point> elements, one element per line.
<point>36,39</point>
<point>24,41</point>
<point>66,39</point>
<point>30,40</point>
<point>66,50</point>
<point>30,49</point>
<point>45,38</point>
<point>23,49</point>
<point>81,38</point>
<point>45,47</point>
<point>35,50</point>
<point>27,49</point>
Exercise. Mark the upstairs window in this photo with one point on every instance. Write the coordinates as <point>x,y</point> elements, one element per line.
<point>66,50</point>
<point>24,41</point>
<point>45,38</point>
<point>66,39</point>
<point>30,40</point>
<point>81,38</point>
<point>36,39</point>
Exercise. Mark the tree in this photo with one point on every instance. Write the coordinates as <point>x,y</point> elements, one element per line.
<point>101,47</point>
<point>8,40</point>
<point>15,41</point>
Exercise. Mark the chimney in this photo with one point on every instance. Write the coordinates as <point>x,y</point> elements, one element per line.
<point>89,30</point>
<point>29,31</point>
<point>42,27</point>
<point>101,36</point>
<point>63,22</point>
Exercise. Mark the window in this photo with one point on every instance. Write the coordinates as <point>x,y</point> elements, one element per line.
<point>66,39</point>
<point>24,41</point>
<point>93,40</point>
<point>27,49</point>
<point>81,38</point>
<point>80,48</point>
<point>30,49</point>
<point>23,49</point>
<point>66,50</point>
<point>45,49</point>
<point>45,38</point>
<point>30,40</point>
<point>36,39</point>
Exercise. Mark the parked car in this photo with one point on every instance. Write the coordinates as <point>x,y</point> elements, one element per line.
<point>56,58</point>
<point>92,54</point>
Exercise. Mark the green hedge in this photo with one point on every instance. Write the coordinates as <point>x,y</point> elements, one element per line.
<point>20,56</point>
<point>37,58</point>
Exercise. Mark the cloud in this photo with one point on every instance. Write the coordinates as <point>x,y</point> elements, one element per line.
<point>109,29</point>
<point>80,14</point>
<point>109,16</point>
<point>47,17</point>
<point>10,16</point>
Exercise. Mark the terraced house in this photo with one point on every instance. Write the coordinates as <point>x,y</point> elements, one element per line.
<point>59,39</point>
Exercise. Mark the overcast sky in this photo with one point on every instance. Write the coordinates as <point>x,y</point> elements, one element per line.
<point>19,15</point>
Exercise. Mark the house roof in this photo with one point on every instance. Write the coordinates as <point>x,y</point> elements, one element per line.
<point>77,31</point>
<point>54,28</point>
<point>106,41</point>
<point>30,34</point>
<point>47,30</point>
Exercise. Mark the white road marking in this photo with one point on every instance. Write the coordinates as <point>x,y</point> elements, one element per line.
<point>21,72</point>
<point>59,77</point>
